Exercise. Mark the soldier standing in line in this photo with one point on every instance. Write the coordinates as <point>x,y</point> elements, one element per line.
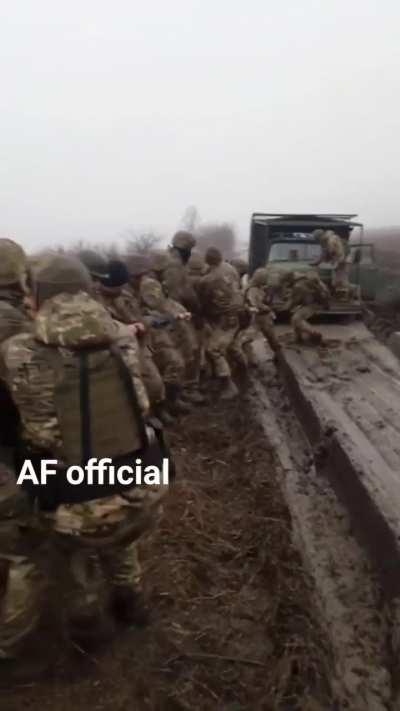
<point>220,307</point>
<point>188,324</point>
<point>113,291</point>
<point>71,331</point>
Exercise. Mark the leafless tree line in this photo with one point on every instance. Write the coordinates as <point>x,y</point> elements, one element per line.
<point>133,241</point>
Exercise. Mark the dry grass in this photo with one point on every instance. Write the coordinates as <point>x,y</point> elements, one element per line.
<point>233,626</point>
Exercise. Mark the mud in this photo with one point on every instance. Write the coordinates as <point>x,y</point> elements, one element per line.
<point>346,587</point>
<point>347,396</point>
<point>234,620</point>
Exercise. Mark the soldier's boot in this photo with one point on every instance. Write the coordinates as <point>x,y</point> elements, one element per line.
<point>88,627</point>
<point>176,406</point>
<point>129,607</point>
<point>228,389</point>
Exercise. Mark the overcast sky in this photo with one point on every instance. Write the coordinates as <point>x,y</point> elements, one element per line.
<point>118,114</point>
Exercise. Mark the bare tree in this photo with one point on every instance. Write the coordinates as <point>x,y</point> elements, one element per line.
<point>220,235</point>
<point>141,243</point>
<point>191,219</point>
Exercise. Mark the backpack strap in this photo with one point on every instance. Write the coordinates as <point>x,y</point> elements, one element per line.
<point>84,399</point>
<point>131,392</point>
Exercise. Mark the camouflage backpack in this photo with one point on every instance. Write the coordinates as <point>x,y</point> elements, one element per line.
<point>94,408</point>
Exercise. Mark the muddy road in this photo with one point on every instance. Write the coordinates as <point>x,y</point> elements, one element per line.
<point>235,624</point>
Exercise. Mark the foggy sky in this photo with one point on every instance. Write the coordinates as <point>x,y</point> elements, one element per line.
<point>121,114</point>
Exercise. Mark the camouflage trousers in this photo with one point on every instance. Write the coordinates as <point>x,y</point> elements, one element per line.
<point>265,324</point>
<point>220,336</point>
<point>167,357</point>
<point>300,319</point>
<point>151,376</point>
<point>187,341</point>
<point>76,564</point>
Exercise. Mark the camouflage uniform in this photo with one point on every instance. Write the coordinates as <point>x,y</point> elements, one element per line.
<point>307,294</point>
<point>219,303</point>
<point>18,613</point>
<point>13,317</point>
<point>124,307</point>
<point>172,270</point>
<point>68,321</point>
<point>121,302</point>
<point>167,356</point>
<point>242,269</point>
<point>197,268</point>
<point>333,251</point>
<point>257,297</point>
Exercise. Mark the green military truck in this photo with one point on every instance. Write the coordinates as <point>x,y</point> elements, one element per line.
<point>284,242</point>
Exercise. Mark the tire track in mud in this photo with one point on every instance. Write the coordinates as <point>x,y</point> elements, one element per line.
<point>346,586</point>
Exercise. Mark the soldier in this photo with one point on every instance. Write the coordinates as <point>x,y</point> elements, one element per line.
<point>332,251</point>
<point>13,317</point>
<point>113,291</point>
<point>307,294</point>
<point>219,303</point>
<point>196,267</point>
<point>242,268</point>
<point>175,277</point>
<point>258,302</point>
<point>166,355</point>
<point>74,341</point>
<point>16,569</point>
<point>187,333</point>
<point>239,345</point>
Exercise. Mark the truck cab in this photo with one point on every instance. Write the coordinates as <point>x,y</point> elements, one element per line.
<point>285,242</point>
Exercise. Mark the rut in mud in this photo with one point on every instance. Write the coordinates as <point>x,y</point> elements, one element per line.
<point>233,625</point>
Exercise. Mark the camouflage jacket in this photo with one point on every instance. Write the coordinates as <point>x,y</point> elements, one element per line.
<point>256,297</point>
<point>68,323</point>
<point>308,292</point>
<point>332,248</point>
<point>123,306</point>
<point>219,293</point>
<point>177,283</point>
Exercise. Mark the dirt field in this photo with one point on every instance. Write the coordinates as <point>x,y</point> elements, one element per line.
<point>232,620</point>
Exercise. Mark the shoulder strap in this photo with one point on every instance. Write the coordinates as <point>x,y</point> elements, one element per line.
<point>84,392</point>
<point>131,391</point>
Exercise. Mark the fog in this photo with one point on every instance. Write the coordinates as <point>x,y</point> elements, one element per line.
<point>120,115</point>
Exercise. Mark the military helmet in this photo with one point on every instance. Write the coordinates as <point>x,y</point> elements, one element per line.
<point>183,240</point>
<point>213,256</point>
<point>138,264</point>
<point>159,260</point>
<point>241,266</point>
<point>260,277</point>
<point>317,234</point>
<point>95,263</point>
<point>60,275</point>
<point>13,262</point>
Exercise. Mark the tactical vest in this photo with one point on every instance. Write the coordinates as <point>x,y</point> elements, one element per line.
<point>99,417</point>
<point>93,406</point>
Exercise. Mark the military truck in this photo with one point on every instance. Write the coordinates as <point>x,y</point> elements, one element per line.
<point>285,242</point>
